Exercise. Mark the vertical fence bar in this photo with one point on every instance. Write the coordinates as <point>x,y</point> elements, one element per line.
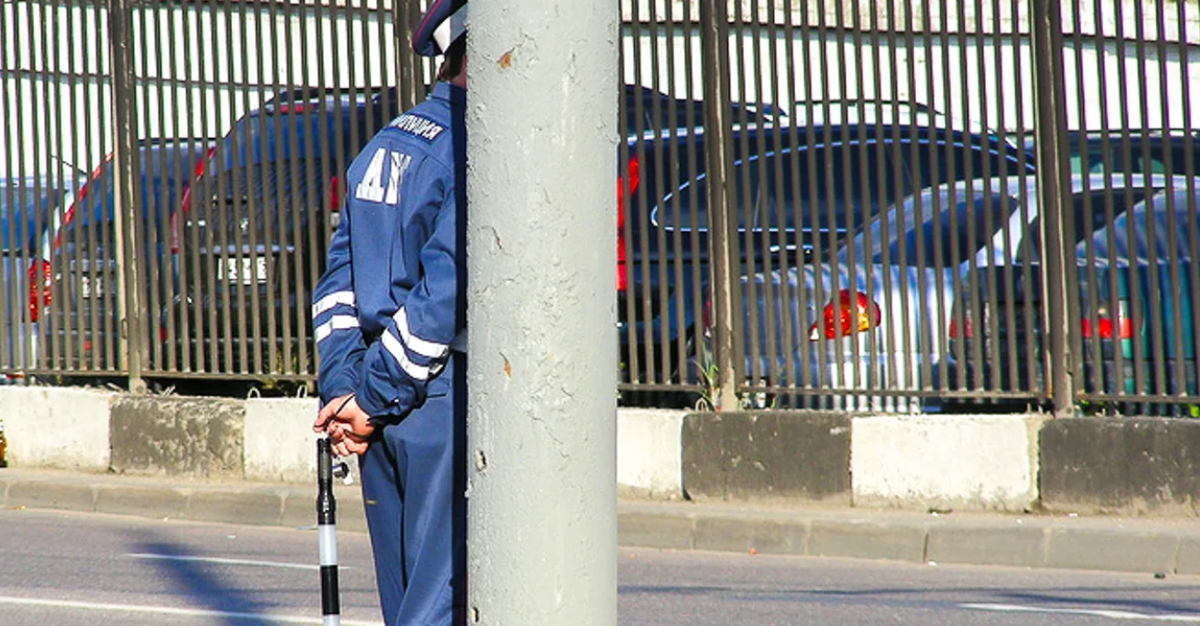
<point>630,152</point>
<point>10,194</point>
<point>1189,170</point>
<point>1154,316</point>
<point>308,239</point>
<point>870,200</point>
<point>714,35</point>
<point>792,314</point>
<point>675,178</point>
<point>126,209</point>
<point>1175,383</point>
<point>178,324</point>
<point>779,304</point>
<point>659,124</point>
<point>1049,105</point>
<point>30,141</point>
<point>41,148</point>
<point>175,22</point>
<point>895,338</point>
<point>273,241</point>
<point>641,338</point>
<point>701,296</point>
<point>747,156</point>
<point>259,209</point>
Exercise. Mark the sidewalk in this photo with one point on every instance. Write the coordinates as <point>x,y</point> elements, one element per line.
<point>1169,546</point>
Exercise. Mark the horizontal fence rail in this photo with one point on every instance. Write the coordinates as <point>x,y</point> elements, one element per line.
<point>882,205</point>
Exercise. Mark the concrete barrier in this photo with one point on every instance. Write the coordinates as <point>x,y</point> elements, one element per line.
<point>649,454</point>
<point>56,428</point>
<point>767,454</point>
<point>947,462</point>
<point>1121,465</point>
<point>182,436</point>
<point>1139,466</point>
<point>279,442</point>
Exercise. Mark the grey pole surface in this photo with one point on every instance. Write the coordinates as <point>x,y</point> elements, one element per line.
<point>541,309</point>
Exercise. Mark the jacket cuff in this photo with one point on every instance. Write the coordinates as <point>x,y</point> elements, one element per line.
<point>337,388</point>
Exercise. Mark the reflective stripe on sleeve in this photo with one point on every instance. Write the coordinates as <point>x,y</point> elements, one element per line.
<point>427,349</point>
<point>337,322</point>
<point>393,346</point>
<point>332,300</point>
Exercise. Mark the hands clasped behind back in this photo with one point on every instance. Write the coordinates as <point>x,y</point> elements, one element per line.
<point>348,426</point>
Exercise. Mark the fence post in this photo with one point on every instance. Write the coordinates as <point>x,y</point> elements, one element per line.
<point>1053,194</point>
<point>714,52</point>
<point>125,212</point>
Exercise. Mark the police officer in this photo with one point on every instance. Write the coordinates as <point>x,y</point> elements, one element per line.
<point>389,320</point>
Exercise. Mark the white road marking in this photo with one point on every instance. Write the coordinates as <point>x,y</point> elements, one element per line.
<point>207,559</point>
<point>1110,614</point>
<point>166,610</point>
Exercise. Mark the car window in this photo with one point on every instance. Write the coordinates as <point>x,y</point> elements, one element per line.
<point>849,184</point>
<point>1088,211</point>
<point>952,235</point>
<point>1154,225</point>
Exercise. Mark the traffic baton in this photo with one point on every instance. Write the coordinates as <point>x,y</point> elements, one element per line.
<point>326,525</point>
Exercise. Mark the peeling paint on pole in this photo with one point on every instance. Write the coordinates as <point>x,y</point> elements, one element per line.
<point>541,248</point>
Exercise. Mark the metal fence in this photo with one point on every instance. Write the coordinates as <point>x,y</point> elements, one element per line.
<point>884,205</point>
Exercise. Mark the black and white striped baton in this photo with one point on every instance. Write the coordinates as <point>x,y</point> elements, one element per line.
<point>326,525</point>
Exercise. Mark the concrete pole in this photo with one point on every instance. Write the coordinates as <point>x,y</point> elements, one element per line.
<point>541,309</point>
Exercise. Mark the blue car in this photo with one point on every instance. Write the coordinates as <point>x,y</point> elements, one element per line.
<point>30,207</point>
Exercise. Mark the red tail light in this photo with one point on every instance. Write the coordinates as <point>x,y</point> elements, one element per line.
<point>40,281</point>
<point>1105,323</point>
<point>852,318</point>
<point>624,190</point>
<point>293,108</point>
<point>968,329</point>
<point>335,194</point>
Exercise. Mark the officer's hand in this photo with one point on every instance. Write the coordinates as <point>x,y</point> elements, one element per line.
<point>345,443</point>
<point>347,425</point>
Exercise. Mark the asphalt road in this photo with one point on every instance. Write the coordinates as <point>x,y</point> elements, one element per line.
<point>71,569</point>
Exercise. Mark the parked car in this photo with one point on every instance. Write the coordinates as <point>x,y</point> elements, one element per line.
<point>255,223</point>
<point>1132,264</point>
<point>29,206</point>
<point>77,304</point>
<point>879,316</point>
<point>799,193</point>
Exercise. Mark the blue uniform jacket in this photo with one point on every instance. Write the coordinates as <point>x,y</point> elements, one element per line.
<point>391,303</point>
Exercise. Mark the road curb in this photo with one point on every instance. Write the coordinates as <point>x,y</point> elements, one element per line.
<point>1033,541</point>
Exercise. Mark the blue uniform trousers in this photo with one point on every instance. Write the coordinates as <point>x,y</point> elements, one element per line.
<point>413,481</point>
